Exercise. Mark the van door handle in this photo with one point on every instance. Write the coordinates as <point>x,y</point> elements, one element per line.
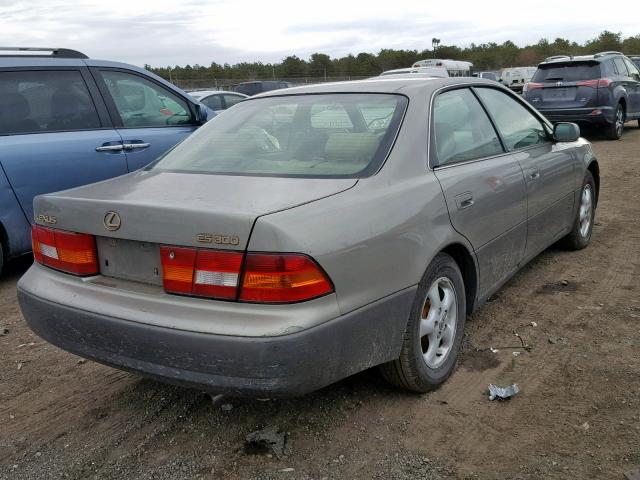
<point>110,148</point>
<point>464,200</point>
<point>133,146</point>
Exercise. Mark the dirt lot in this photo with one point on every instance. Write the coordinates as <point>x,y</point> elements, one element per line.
<point>577,417</point>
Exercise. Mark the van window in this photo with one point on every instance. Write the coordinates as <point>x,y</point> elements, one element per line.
<point>45,101</point>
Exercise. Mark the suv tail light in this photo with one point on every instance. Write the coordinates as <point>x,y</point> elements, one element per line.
<point>531,86</point>
<point>601,82</point>
<point>264,277</point>
<point>67,251</point>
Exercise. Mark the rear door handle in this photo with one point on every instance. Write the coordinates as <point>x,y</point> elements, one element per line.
<point>533,174</point>
<point>134,146</point>
<point>110,148</point>
<point>464,200</point>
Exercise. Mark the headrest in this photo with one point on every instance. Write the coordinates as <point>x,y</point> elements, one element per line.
<point>351,147</point>
<point>14,106</point>
<point>445,141</point>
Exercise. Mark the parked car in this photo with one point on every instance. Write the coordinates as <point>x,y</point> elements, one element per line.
<point>275,254</point>
<point>495,76</point>
<point>515,78</point>
<point>601,89</point>
<point>439,72</point>
<point>217,100</point>
<point>67,120</point>
<point>636,60</point>
<point>256,87</point>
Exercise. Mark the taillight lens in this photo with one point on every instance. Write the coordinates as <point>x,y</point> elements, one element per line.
<point>276,278</point>
<point>602,82</point>
<point>67,251</point>
<point>266,277</point>
<point>531,86</point>
<point>199,272</point>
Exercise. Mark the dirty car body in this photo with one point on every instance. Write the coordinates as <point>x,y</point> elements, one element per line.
<point>355,188</point>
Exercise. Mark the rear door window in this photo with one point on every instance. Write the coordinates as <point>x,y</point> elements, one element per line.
<point>573,72</point>
<point>620,67</point>
<point>214,102</point>
<point>45,101</point>
<point>517,125</point>
<point>142,103</point>
<point>231,100</point>
<point>463,130</point>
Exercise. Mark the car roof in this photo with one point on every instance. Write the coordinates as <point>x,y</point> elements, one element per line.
<point>596,57</point>
<point>408,85</point>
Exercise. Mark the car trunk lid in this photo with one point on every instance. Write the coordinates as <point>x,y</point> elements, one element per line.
<point>166,208</point>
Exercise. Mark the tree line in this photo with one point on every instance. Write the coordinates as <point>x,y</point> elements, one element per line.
<point>485,56</point>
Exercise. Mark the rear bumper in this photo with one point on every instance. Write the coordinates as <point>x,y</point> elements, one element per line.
<point>284,365</point>
<point>580,115</point>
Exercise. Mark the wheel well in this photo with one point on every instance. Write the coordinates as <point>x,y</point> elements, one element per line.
<point>623,102</point>
<point>4,242</point>
<point>594,168</point>
<point>469,273</point>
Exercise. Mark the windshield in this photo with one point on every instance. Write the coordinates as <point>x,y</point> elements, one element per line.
<point>327,135</point>
<point>572,72</point>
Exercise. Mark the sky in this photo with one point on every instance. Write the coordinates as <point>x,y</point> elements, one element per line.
<point>163,32</point>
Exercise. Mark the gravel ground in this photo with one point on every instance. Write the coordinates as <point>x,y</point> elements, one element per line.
<point>577,416</point>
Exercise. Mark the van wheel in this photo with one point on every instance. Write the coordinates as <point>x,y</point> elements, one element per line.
<point>434,331</point>
<point>580,234</point>
<point>614,131</point>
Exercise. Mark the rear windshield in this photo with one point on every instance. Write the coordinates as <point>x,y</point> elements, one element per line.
<point>572,72</point>
<point>327,135</point>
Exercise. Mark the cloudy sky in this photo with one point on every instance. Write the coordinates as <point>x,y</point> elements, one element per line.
<point>174,32</point>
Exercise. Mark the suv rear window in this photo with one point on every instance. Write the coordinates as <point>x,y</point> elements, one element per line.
<point>320,135</point>
<point>568,72</point>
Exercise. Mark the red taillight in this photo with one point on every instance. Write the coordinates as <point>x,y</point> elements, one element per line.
<point>67,251</point>
<point>531,86</point>
<point>276,278</point>
<point>204,273</point>
<point>602,82</point>
<point>266,277</point>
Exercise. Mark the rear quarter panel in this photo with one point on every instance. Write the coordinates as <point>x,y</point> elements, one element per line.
<point>373,240</point>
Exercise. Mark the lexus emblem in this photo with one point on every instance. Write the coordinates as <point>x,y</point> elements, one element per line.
<point>112,221</point>
<point>559,84</point>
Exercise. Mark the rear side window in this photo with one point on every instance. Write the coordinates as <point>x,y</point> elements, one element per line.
<point>324,135</point>
<point>463,130</point>
<point>568,72</point>
<point>214,102</point>
<point>231,100</point>
<point>45,101</point>
<point>620,67</point>
<point>142,103</point>
<point>517,125</point>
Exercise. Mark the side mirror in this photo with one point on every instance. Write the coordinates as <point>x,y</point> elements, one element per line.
<point>566,132</point>
<point>202,115</point>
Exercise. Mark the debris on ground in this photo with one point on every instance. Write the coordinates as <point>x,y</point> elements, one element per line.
<point>534,324</point>
<point>585,426</point>
<point>502,393</point>
<point>554,340</point>
<point>82,361</point>
<point>493,350</point>
<point>215,398</point>
<point>268,439</point>
<point>564,283</point>
<point>632,474</point>
<point>525,345</point>
<point>3,331</point>
<point>226,407</point>
<point>515,354</point>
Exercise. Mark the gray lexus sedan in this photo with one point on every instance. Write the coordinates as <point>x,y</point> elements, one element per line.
<point>311,233</point>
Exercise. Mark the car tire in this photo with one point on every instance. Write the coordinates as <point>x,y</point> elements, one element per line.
<point>1,258</point>
<point>434,331</point>
<point>580,234</point>
<point>614,131</point>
